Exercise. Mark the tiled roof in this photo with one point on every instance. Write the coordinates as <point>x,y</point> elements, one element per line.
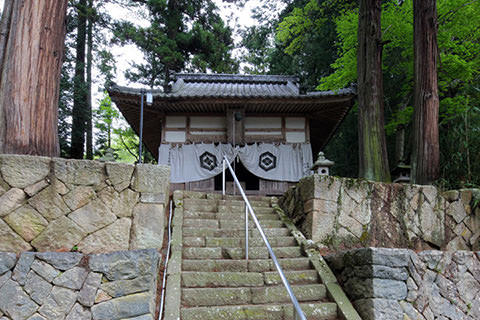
<point>201,85</point>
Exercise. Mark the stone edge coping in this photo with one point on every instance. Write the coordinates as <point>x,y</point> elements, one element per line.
<point>174,268</point>
<point>347,311</point>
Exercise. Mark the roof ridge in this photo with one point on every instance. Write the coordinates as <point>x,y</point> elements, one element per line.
<point>240,78</point>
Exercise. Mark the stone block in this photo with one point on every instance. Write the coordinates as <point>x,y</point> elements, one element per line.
<point>10,241</point>
<point>114,237</point>
<point>14,302</point>
<point>49,203</point>
<point>79,172</point>
<point>78,312</point>
<point>121,288</point>
<point>432,225</point>
<point>11,200</point>
<point>457,211</point>
<point>121,204</point>
<point>148,226</point>
<point>322,226</point>
<point>20,171</point>
<point>61,260</point>
<point>151,178</point>
<point>58,304</point>
<point>86,296</point>
<point>45,270</point>
<point>71,279</point>
<point>62,233</point>
<point>451,195</point>
<point>125,264</point>
<point>326,187</point>
<point>153,198</point>
<point>37,287</point>
<point>376,309</point>
<point>381,272</point>
<point>26,222</point>
<point>119,174</point>
<point>23,267</point>
<point>35,188</point>
<point>78,197</point>
<point>7,261</point>
<point>123,307</point>
<point>93,216</point>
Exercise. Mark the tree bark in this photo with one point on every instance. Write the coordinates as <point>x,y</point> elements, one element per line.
<point>32,36</point>
<point>373,159</point>
<point>426,150</point>
<point>89,128</point>
<point>80,96</point>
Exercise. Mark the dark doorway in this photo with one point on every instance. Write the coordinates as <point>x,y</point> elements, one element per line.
<point>246,178</point>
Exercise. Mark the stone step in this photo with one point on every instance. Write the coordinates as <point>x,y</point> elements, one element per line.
<point>237,216</point>
<point>294,277</point>
<point>313,311</point>
<point>242,265</point>
<point>241,203</point>
<point>200,205</point>
<point>195,279</point>
<point>239,224</point>
<point>200,297</point>
<point>199,214</point>
<point>239,253</point>
<point>237,242</point>
<point>253,242</point>
<point>229,223</point>
<point>224,210</point>
<point>214,232</point>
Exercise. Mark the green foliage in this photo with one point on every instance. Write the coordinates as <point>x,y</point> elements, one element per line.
<point>458,74</point>
<point>182,36</point>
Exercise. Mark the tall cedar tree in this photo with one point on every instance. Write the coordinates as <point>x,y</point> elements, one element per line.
<point>80,95</point>
<point>88,118</point>
<point>182,35</point>
<point>426,151</point>
<point>32,35</point>
<point>373,159</point>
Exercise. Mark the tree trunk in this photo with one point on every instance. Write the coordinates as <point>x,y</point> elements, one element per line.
<point>426,151</point>
<point>80,105</point>
<point>32,36</point>
<point>89,128</point>
<point>373,164</point>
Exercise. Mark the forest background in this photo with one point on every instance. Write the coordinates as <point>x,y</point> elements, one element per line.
<point>314,39</point>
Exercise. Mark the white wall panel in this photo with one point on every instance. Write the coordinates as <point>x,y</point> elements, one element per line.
<point>176,122</point>
<point>263,123</point>
<point>208,133</point>
<point>295,137</point>
<point>208,122</point>
<point>175,136</point>
<point>263,133</point>
<point>295,123</point>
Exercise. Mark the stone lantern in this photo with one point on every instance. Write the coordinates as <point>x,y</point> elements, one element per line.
<point>322,165</point>
<point>109,156</point>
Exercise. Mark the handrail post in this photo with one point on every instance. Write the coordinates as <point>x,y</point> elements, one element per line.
<point>223,178</point>
<point>297,309</point>
<point>246,232</point>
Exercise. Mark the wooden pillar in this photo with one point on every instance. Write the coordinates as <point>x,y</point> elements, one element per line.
<point>234,126</point>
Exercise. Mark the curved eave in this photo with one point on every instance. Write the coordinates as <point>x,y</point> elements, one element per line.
<point>326,110</point>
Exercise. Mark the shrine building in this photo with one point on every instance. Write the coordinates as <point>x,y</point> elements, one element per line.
<point>266,127</point>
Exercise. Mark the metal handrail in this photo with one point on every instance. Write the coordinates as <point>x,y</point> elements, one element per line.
<point>248,209</point>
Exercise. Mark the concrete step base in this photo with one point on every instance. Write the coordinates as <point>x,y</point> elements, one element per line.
<point>243,265</point>
<point>200,297</point>
<point>313,311</point>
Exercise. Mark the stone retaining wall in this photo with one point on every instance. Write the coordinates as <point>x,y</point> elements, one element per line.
<point>51,204</point>
<point>349,213</point>
<point>399,284</point>
<point>73,286</point>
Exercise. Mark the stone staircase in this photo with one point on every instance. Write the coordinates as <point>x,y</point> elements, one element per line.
<point>209,278</point>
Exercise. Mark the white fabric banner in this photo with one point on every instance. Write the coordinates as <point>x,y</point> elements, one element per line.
<point>195,162</point>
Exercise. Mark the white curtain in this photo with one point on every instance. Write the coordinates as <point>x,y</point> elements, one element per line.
<point>195,162</point>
